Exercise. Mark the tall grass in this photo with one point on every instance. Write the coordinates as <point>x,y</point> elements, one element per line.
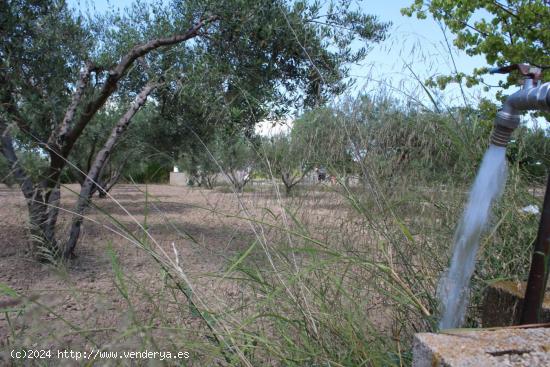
<point>336,275</point>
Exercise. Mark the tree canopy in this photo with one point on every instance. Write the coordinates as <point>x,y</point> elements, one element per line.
<point>207,65</point>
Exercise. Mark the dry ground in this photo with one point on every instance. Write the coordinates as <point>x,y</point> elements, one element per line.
<point>80,304</point>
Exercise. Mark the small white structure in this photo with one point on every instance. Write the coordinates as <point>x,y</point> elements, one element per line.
<point>178,178</point>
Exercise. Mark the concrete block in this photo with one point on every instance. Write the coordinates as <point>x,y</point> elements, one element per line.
<point>178,178</point>
<point>482,347</point>
<point>503,302</point>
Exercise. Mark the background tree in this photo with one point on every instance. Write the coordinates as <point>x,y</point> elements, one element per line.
<point>289,159</point>
<point>237,158</point>
<point>328,139</point>
<point>201,165</point>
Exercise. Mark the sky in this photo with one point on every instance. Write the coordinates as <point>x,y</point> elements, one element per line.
<point>420,44</point>
<point>411,43</point>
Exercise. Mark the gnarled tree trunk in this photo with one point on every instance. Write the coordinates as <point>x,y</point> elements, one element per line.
<point>290,180</point>
<point>93,175</point>
<point>42,202</point>
<point>209,180</point>
<point>105,185</point>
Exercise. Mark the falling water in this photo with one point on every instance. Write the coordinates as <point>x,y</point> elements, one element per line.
<point>453,286</point>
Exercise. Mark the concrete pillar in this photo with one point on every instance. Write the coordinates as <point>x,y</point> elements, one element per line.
<point>178,178</point>
<point>502,304</point>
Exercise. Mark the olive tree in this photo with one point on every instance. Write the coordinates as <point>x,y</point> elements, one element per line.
<point>58,70</point>
<point>64,86</point>
<point>328,138</point>
<point>236,156</point>
<point>289,158</point>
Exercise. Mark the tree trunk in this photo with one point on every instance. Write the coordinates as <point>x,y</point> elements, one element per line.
<point>238,178</point>
<point>288,190</point>
<point>91,180</point>
<point>287,181</point>
<point>43,213</point>
<point>102,194</point>
<point>42,208</point>
<point>210,180</point>
<point>104,185</point>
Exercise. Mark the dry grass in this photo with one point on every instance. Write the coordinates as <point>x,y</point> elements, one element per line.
<point>77,305</point>
<point>330,275</point>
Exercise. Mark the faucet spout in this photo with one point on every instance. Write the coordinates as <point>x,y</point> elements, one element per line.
<point>532,96</point>
<point>528,98</point>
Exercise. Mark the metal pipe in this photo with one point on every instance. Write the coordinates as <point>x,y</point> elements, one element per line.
<point>529,97</point>
<point>538,275</point>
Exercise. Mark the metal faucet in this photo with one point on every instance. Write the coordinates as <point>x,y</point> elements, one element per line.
<point>532,96</point>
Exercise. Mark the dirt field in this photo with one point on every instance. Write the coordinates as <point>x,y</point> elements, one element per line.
<point>83,304</point>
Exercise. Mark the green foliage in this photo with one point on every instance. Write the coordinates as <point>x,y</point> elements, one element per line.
<point>505,32</point>
<point>260,60</point>
<point>150,171</point>
<point>202,163</point>
<point>287,158</point>
<point>383,135</point>
<point>225,154</point>
<point>130,152</point>
<point>234,152</point>
<point>37,66</point>
<point>297,46</point>
<point>31,160</point>
<point>326,134</point>
<point>529,151</point>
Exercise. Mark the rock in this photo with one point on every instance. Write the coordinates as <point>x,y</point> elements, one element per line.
<point>499,347</point>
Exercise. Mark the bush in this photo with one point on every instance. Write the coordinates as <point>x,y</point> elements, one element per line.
<point>149,172</point>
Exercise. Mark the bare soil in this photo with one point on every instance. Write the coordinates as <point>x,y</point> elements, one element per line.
<point>82,303</point>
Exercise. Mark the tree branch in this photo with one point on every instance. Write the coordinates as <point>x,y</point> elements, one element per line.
<point>60,132</point>
<point>116,73</point>
<point>505,9</point>
<point>92,177</point>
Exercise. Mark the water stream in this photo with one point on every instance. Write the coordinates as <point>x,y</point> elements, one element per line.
<point>453,285</point>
